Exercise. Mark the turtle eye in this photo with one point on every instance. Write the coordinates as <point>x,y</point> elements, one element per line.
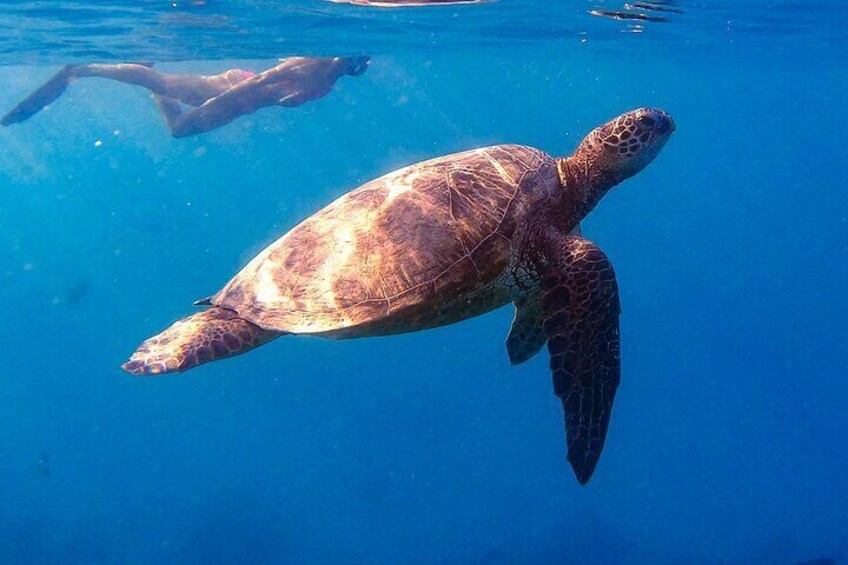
<point>647,121</point>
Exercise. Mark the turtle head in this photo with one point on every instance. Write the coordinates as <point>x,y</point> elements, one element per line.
<point>613,153</point>
<point>627,144</point>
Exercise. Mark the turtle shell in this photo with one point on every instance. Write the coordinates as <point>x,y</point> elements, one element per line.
<point>399,252</point>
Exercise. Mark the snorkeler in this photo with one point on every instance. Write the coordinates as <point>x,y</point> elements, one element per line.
<point>216,100</point>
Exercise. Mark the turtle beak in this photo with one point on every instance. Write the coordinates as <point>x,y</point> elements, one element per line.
<point>668,126</point>
<point>665,125</point>
<point>659,121</point>
<point>357,65</point>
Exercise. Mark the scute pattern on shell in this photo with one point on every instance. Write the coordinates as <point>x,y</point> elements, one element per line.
<point>396,252</point>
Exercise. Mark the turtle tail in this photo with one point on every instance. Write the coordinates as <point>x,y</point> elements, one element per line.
<point>206,336</point>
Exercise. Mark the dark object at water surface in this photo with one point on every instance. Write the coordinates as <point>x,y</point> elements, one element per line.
<point>653,7</point>
<point>627,16</point>
<point>406,3</point>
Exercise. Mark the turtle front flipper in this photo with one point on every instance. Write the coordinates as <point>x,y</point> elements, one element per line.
<point>527,335</point>
<point>206,336</point>
<point>581,308</point>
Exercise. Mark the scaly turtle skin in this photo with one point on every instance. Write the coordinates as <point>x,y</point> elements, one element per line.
<point>442,241</point>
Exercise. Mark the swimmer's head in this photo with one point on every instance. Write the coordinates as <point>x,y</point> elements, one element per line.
<point>357,65</point>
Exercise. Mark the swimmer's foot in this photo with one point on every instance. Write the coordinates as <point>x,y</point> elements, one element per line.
<point>50,91</point>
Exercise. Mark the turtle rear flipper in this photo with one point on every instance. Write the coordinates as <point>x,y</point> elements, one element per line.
<point>526,336</point>
<point>206,336</point>
<point>581,310</point>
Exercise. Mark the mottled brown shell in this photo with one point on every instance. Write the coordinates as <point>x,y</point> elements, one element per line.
<point>402,251</point>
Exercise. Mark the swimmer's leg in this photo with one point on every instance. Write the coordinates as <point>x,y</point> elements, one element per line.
<point>130,73</point>
<point>182,124</point>
<point>193,90</point>
<point>190,89</point>
<point>244,98</point>
<point>169,108</point>
<point>209,116</point>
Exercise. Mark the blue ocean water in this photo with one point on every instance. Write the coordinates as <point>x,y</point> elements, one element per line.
<point>727,438</point>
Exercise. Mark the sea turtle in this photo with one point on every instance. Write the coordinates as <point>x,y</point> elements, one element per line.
<point>438,242</point>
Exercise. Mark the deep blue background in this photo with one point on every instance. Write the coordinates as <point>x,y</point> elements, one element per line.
<point>727,442</point>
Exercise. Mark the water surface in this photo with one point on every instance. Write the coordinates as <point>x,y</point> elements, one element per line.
<point>730,249</point>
